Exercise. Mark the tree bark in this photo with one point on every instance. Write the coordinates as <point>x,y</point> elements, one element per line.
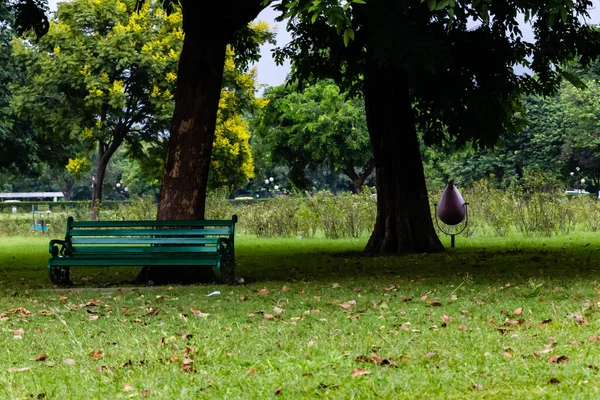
<point>403,221</point>
<point>69,183</point>
<point>105,153</point>
<point>208,27</point>
<point>358,180</point>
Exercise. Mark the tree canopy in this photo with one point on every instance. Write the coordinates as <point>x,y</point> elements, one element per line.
<point>425,66</point>
<point>318,127</point>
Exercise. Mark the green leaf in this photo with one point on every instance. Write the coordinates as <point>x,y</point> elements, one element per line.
<point>432,4</point>
<point>348,34</point>
<point>573,79</point>
<point>551,20</point>
<point>441,5</point>
<point>563,14</point>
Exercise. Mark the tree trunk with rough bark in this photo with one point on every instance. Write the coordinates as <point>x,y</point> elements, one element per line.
<point>208,27</point>
<point>105,153</point>
<point>403,221</point>
<point>69,183</point>
<point>358,179</point>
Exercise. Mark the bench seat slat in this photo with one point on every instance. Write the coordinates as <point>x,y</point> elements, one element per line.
<point>141,249</point>
<point>125,261</point>
<point>148,232</point>
<point>129,240</point>
<point>149,224</point>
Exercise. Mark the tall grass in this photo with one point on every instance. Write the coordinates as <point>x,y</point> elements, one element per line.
<point>528,211</point>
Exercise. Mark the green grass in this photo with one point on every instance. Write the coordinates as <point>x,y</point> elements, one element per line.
<point>293,332</point>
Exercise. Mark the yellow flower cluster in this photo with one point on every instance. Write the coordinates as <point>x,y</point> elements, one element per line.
<point>85,71</point>
<point>94,91</point>
<point>76,166</point>
<point>171,77</point>
<point>117,87</point>
<point>87,133</point>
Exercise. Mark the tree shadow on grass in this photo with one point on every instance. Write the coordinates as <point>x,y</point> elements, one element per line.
<point>491,265</point>
<point>270,261</point>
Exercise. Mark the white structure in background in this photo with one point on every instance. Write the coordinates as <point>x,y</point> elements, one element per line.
<point>32,195</point>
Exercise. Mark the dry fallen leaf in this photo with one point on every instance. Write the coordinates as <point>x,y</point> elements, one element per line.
<point>593,338</point>
<point>93,317</point>
<point>579,319</point>
<point>376,360</point>
<point>507,354</point>
<point>262,291</point>
<point>558,359</point>
<point>96,354</point>
<point>145,393</point>
<point>128,388</point>
<point>462,328</point>
<point>430,355</point>
<point>360,371</point>
<point>18,333</point>
<point>278,392</point>
<point>41,357</point>
<point>446,318</point>
<point>69,361</point>
<point>348,304</point>
<point>575,342</point>
<point>268,316</point>
<point>198,313</point>
<point>92,302</point>
<point>518,311</point>
<point>278,310</point>
<point>477,387</point>
<point>434,303</point>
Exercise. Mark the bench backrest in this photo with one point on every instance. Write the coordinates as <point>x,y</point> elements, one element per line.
<point>199,236</point>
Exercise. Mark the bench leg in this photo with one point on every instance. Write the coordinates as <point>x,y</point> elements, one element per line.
<point>59,275</point>
<point>226,271</point>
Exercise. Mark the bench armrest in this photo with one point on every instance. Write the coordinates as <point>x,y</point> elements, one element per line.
<point>53,249</point>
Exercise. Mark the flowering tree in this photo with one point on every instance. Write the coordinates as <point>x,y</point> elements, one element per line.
<point>103,73</point>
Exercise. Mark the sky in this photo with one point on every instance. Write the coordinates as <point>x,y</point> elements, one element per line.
<point>268,73</point>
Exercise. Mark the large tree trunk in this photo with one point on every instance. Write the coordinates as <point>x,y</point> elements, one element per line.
<point>208,27</point>
<point>403,221</point>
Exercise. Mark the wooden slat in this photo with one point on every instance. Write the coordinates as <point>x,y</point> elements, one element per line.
<point>149,232</point>
<point>126,261</point>
<point>148,224</point>
<point>134,241</point>
<point>142,249</point>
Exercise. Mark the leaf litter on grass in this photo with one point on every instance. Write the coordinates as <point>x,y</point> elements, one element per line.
<point>402,327</point>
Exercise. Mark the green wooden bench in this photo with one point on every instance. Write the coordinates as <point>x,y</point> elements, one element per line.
<point>144,243</point>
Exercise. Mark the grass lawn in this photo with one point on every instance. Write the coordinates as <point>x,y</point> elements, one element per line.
<point>493,318</point>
